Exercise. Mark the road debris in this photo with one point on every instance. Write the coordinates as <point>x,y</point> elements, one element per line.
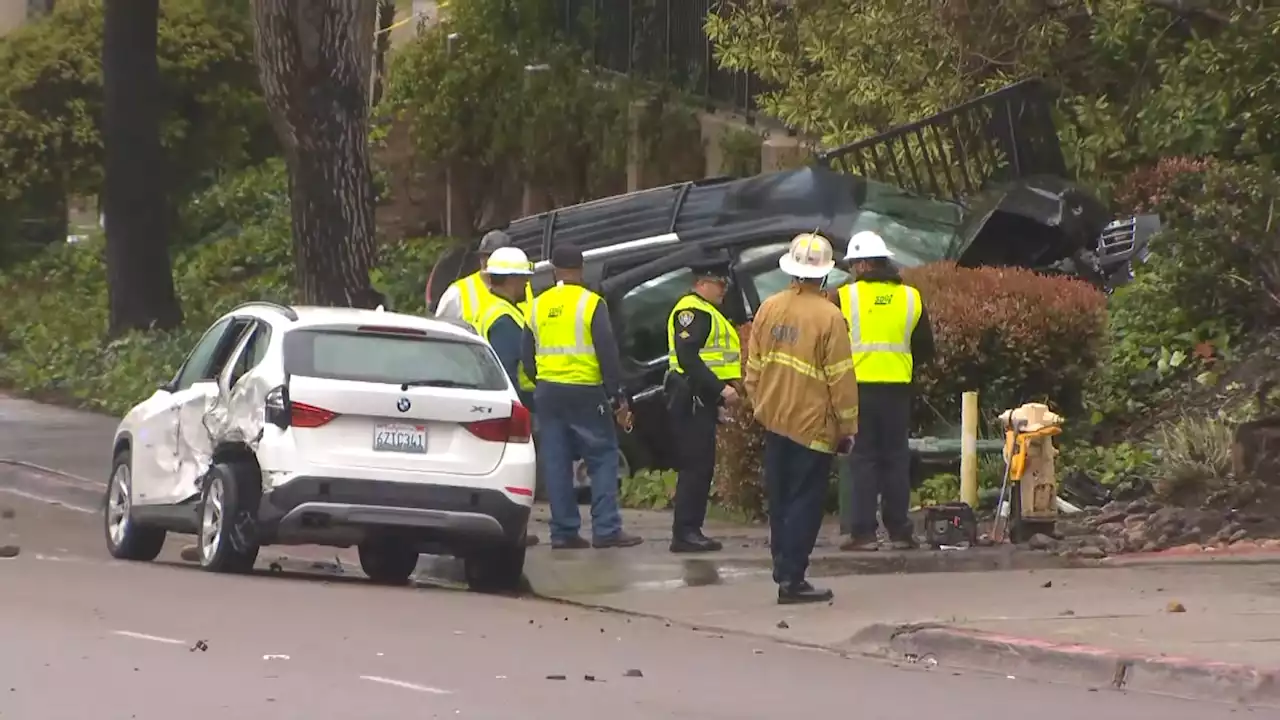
<point>275,567</point>
<point>633,672</point>
<point>589,678</point>
<point>190,553</point>
<point>782,625</point>
<point>555,677</point>
<point>275,657</point>
<point>200,645</point>
<point>757,651</point>
<point>1175,607</point>
<point>9,551</point>
<point>7,513</point>
<point>1047,584</point>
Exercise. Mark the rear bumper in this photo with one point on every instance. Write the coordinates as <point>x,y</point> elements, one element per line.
<point>318,509</point>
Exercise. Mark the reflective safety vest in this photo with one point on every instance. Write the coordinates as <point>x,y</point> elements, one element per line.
<point>500,307</point>
<point>563,346</point>
<point>722,351</point>
<point>881,317</point>
<point>475,295</point>
<point>526,311</point>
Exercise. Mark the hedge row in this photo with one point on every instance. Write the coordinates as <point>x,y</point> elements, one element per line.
<point>1010,334</point>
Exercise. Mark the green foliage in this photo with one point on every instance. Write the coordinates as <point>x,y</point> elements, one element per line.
<point>51,95</point>
<point>1191,457</point>
<point>740,150</point>
<point>1108,464</point>
<point>1138,81</point>
<point>504,103</point>
<point>51,103</point>
<point>54,316</point>
<point>648,490</point>
<point>1213,277</point>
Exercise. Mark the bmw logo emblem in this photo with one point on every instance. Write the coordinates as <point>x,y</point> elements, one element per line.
<point>403,404</point>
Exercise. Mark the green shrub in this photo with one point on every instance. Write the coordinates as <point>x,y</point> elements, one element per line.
<point>648,490</point>
<point>1213,277</point>
<point>1011,334</point>
<point>53,317</point>
<point>1191,458</point>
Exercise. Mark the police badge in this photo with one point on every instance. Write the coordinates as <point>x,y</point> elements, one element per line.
<point>685,318</point>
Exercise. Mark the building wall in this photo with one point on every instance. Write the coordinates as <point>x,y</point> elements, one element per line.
<point>12,14</point>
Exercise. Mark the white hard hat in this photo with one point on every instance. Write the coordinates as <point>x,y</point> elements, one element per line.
<point>866,245</point>
<point>508,261</point>
<point>808,257</point>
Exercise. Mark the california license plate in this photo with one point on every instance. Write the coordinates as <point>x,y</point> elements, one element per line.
<point>400,438</point>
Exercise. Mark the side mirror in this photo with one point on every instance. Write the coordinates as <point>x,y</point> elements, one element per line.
<point>169,386</point>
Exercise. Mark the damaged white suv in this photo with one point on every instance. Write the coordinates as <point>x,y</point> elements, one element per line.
<point>330,426</point>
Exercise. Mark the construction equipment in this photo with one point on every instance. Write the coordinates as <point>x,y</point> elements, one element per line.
<point>1030,486</point>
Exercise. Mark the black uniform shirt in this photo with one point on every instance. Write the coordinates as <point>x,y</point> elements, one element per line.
<point>689,339</point>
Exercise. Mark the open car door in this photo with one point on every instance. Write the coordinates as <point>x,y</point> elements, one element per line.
<point>640,294</point>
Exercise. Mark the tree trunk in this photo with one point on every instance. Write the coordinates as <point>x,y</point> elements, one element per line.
<point>386,18</point>
<point>315,59</point>
<point>139,273</point>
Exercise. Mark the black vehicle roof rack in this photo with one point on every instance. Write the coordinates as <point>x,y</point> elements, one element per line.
<point>284,310</point>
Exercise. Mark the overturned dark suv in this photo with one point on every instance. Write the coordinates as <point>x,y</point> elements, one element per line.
<point>638,246</point>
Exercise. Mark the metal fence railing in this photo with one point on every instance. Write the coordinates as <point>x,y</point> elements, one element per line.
<point>1004,135</point>
<point>658,40</point>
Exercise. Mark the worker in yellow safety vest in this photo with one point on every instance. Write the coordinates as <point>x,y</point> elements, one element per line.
<point>570,349</point>
<point>502,323</point>
<point>465,297</point>
<point>890,335</point>
<point>704,367</point>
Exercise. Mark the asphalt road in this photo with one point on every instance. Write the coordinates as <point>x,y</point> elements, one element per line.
<point>84,636</point>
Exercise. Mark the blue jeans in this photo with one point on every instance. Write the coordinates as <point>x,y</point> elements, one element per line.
<point>795,479</point>
<point>576,421</point>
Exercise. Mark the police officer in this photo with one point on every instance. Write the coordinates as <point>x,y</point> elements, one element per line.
<point>890,334</point>
<point>572,358</point>
<point>463,299</point>
<point>704,369</point>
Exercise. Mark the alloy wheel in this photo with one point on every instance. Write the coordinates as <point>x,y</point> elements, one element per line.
<point>119,501</point>
<point>211,520</point>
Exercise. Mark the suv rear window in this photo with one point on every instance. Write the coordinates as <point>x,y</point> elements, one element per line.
<point>378,357</point>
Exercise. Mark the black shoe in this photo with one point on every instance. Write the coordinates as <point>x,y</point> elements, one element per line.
<point>694,542</point>
<point>574,542</point>
<point>620,539</point>
<point>802,592</point>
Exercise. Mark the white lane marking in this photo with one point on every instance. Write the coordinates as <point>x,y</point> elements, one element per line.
<point>152,638</point>
<point>406,685</point>
<point>49,500</point>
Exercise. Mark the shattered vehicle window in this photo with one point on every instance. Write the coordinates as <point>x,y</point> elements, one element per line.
<point>918,230</point>
<point>370,357</point>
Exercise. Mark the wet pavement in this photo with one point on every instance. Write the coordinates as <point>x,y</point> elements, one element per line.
<point>88,636</point>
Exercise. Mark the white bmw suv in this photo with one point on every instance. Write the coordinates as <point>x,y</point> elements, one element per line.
<point>330,426</point>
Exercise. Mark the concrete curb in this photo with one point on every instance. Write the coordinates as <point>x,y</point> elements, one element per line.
<point>1075,664</point>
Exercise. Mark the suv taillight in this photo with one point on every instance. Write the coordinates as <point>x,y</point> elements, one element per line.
<point>515,429</point>
<point>281,412</point>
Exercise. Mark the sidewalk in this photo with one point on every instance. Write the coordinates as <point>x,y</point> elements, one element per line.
<point>1096,626</point>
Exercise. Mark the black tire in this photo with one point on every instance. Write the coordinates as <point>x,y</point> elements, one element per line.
<point>497,569</point>
<point>235,548</point>
<point>133,541</point>
<point>388,562</point>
